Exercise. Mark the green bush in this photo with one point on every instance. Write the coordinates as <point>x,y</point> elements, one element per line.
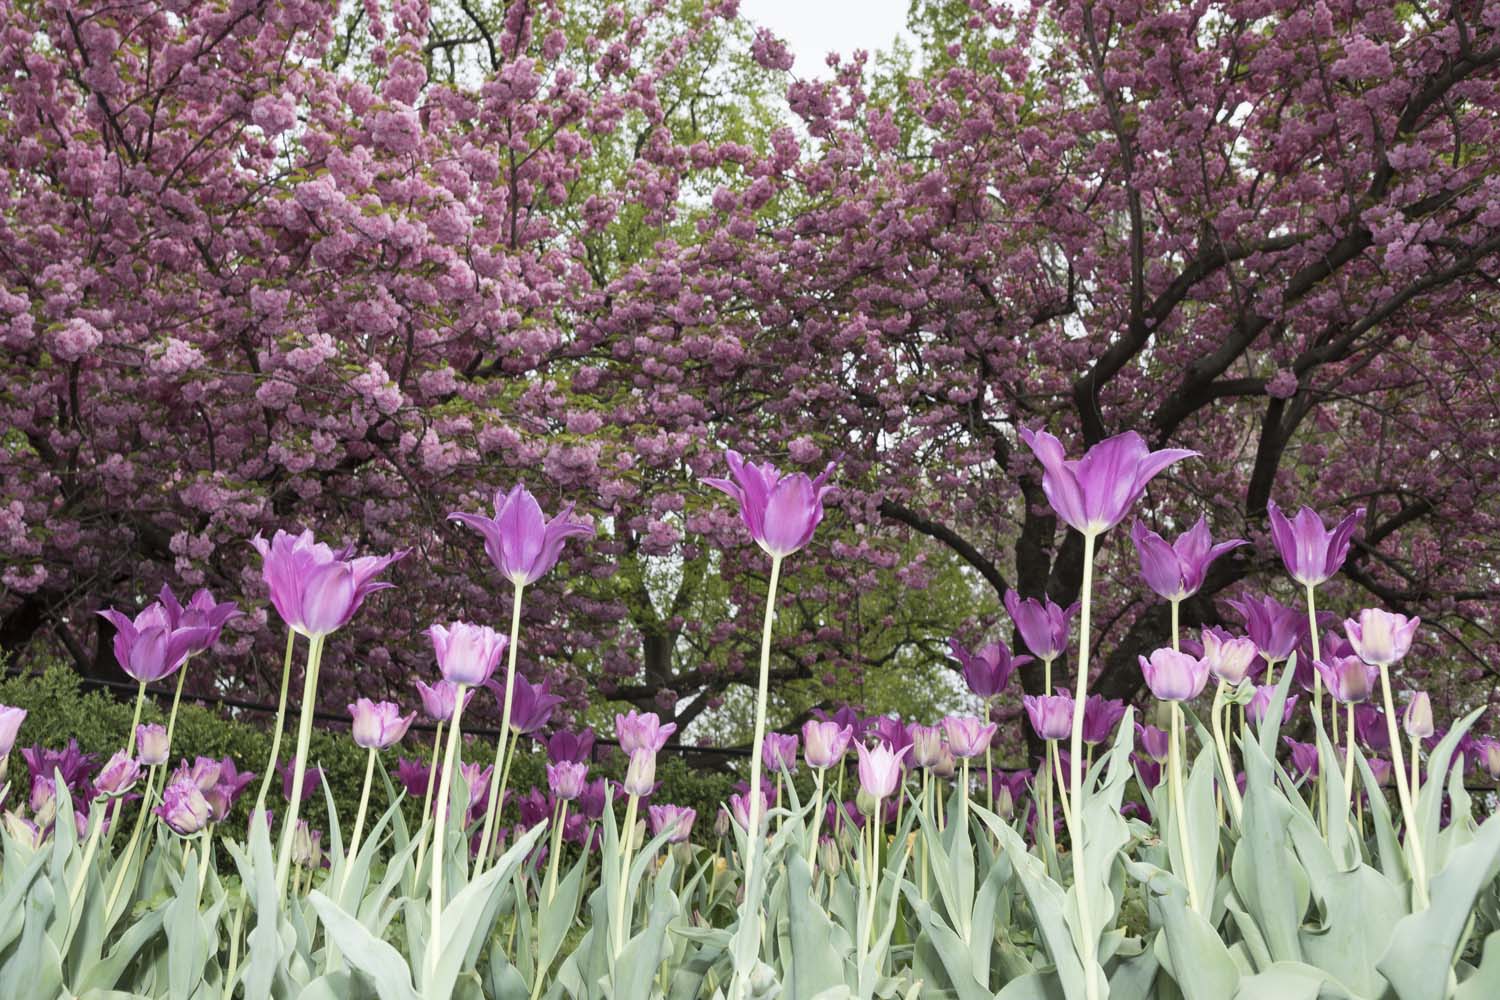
<point>58,709</point>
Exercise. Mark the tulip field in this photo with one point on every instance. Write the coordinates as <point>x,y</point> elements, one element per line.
<point>1213,858</point>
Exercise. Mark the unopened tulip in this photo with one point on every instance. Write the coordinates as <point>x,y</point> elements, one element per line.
<point>1051,715</point>
<point>466,654</point>
<point>926,745</point>
<point>968,736</point>
<point>1173,675</point>
<point>10,725</point>
<point>151,744</point>
<point>1417,719</point>
<point>779,751</point>
<point>880,769</point>
<point>183,807</point>
<point>567,779</point>
<point>1348,679</point>
<point>1380,638</point>
<point>1228,658</point>
<point>1260,703</point>
<point>640,775</point>
<point>378,725</point>
<point>824,743</point>
<point>439,699</point>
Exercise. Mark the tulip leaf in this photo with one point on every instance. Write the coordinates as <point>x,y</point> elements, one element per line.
<point>379,961</point>
<point>816,963</point>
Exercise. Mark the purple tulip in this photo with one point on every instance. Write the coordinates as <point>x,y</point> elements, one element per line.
<point>1153,742</point>
<point>1260,704</point>
<point>315,589</point>
<point>844,715</point>
<point>576,748</point>
<point>203,772</point>
<point>10,725</point>
<point>1229,658</point>
<point>1304,757</point>
<point>378,725</point>
<point>946,765</point>
<point>148,648</point>
<point>1094,493</point>
<point>1489,756</point>
<point>967,736</point>
<point>1348,678</point>
<point>675,821</point>
<point>183,807</point>
<point>531,705</point>
<point>202,611</point>
<point>640,774</point>
<point>1311,552</point>
<point>1370,727</point>
<point>889,729</point>
<point>118,775</point>
<point>988,670</point>
<point>1042,624</point>
<point>926,746</point>
<point>642,730</point>
<point>1380,770</point>
<point>825,743</point>
<point>478,781</point>
<point>880,769</point>
<point>1380,638</point>
<point>71,762</point>
<point>1274,628</point>
<point>1174,676</point>
<point>780,511</point>
<point>1051,715</point>
<point>1175,570</point>
<point>415,776</point>
<point>439,699</point>
<point>739,808</point>
<point>520,541</point>
<point>1100,717</point>
<point>1417,719</point>
<point>779,751</point>
<point>312,780</point>
<point>43,800</point>
<point>467,654</point>
<point>151,744</point>
<point>232,782</point>
<point>567,779</point>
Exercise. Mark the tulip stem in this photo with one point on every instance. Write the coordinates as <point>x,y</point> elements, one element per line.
<point>432,766</point>
<point>1062,799</point>
<point>1406,796</point>
<point>359,816</point>
<point>1176,628</point>
<point>1349,757</point>
<point>1089,942</point>
<point>1416,773</point>
<point>439,847</point>
<point>304,739</point>
<point>1217,713</point>
<point>557,833</point>
<point>1174,770</point>
<point>502,765</point>
<point>96,823</point>
<point>756,804</point>
<point>135,836</point>
<point>176,703</point>
<point>817,816</point>
<point>627,847</point>
<point>286,680</point>
<point>1312,632</point>
<point>140,699</point>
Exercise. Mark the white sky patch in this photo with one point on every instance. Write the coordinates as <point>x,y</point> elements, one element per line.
<point>813,28</point>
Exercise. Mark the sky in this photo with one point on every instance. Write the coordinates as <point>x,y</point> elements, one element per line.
<point>813,28</point>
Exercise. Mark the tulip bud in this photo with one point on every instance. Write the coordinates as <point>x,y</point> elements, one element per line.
<point>1417,719</point>
<point>1173,675</point>
<point>779,751</point>
<point>947,765</point>
<point>567,780</point>
<point>1228,658</point>
<point>1005,803</point>
<point>926,745</point>
<point>43,801</point>
<point>307,846</point>
<point>22,830</point>
<point>865,803</point>
<point>824,743</point>
<point>151,745</point>
<point>830,859</point>
<point>640,776</point>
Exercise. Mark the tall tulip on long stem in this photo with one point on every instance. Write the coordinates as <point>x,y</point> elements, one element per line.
<point>1091,495</point>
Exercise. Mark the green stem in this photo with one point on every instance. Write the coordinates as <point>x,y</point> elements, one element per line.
<point>299,762</point>
<point>627,847</point>
<point>176,703</point>
<point>491,807</point>
<point>1312,629</point>
<point>1404,794</point>
<point>1087,939</point>
<point>359,816</point>
<point>1176,630</point>
<point>1174,765</point>
<point>439,847</point>
<point>557,832</point>
<point>135,836</point>
<point>286,681</point>
<point>432,766</point>
<point>1416,772</point>
<point>1232,790</point>
<point>96,822</point>
<point>757,744</point>
<point>140,699</point>
<point>817,817</point>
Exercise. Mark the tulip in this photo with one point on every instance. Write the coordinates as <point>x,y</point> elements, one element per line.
<point>1381,638</point>
<point>415,776</point>
<point>307,846</point>
<point>844,716</point>
<point>780,751</point>
<point>1153,742</point>
<point>1312,554</point>
<point>10,725</point>
<point>521,543</point>
<point>1094,493</point>
<point>967,736</point>
<point>1228,658</point>
<point>183,807</point>
<point>203,772</point>
<point>640,775</point>
<point>531,706</point>
<point>466,654</point>
<point>1348,679</point>
<point>675,821</point>
<point>315,589</point>
<point>1490,755</point>
<point>151,744</point>
<point>642,730</point>
<point>1042,624</point>
<point>880,768</point>
<point>439,698</point>
<point>946,765</point>
<point>1370,727</point>
<point>23,831</point>
<point>926,745</point>
<point>1174,676</point>
<point>1051,715</point>
<point>118,776</point>
<point>1175,570</point>
<point>889,729</point>
<point>221,797</point>
<point>1417,719</point>
<point>739,809</point>
<point>1274,628</point>
<point>988,670</point>
<point>1260,704</point>
<point>824,743</point>
<point>147,647</point>
<point>780,511</point>
<point>202,611</point>
<point>378,725</point>
<point>1304,757</point>
<point>566,779</point>
<point>1380,770</point>
<point>574,747</point>
<point>1100,717</point>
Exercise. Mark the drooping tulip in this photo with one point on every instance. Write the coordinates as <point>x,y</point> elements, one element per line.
<point>520,541</point>
<point>467,654</point>
<point>378,725</point>
<point>1379,637</point>
<point>825,743</point>
<point>1094,493</point>
<point>1311,553</point>
<point>315,589</point>
<point>967,736</point>
<point>780,511</point>
<point>1175,570</point>
<point>986,670</point>
<point>1043,625</point>
<point>1051,715</point>
<point>1173,675</point>
<point>147,647</point>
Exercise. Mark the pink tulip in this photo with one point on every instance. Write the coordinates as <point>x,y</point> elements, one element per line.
<point>676,821</point>
<point>780,511</point>
<point>1051,715</point>
<point>1348,678</point>
<point>567,779</point>
<point>880,769</point>
<point>467,654</point>
<point>1417,719</point>
<point>642,730</point>
<point>1228,658</point>
<point>183,807</point>
<point>520,541</point>
<point>824,743</point>
<point>968,736</point>
<point>151,744</point>
<point>1381,638</point>
<point>10,725</point>
<point>1311,553</point>
<point>439,699</point>
<point>315,589</point>
<point>1174,676</point>
<point>378,725</point>
<point>1094,493</point>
